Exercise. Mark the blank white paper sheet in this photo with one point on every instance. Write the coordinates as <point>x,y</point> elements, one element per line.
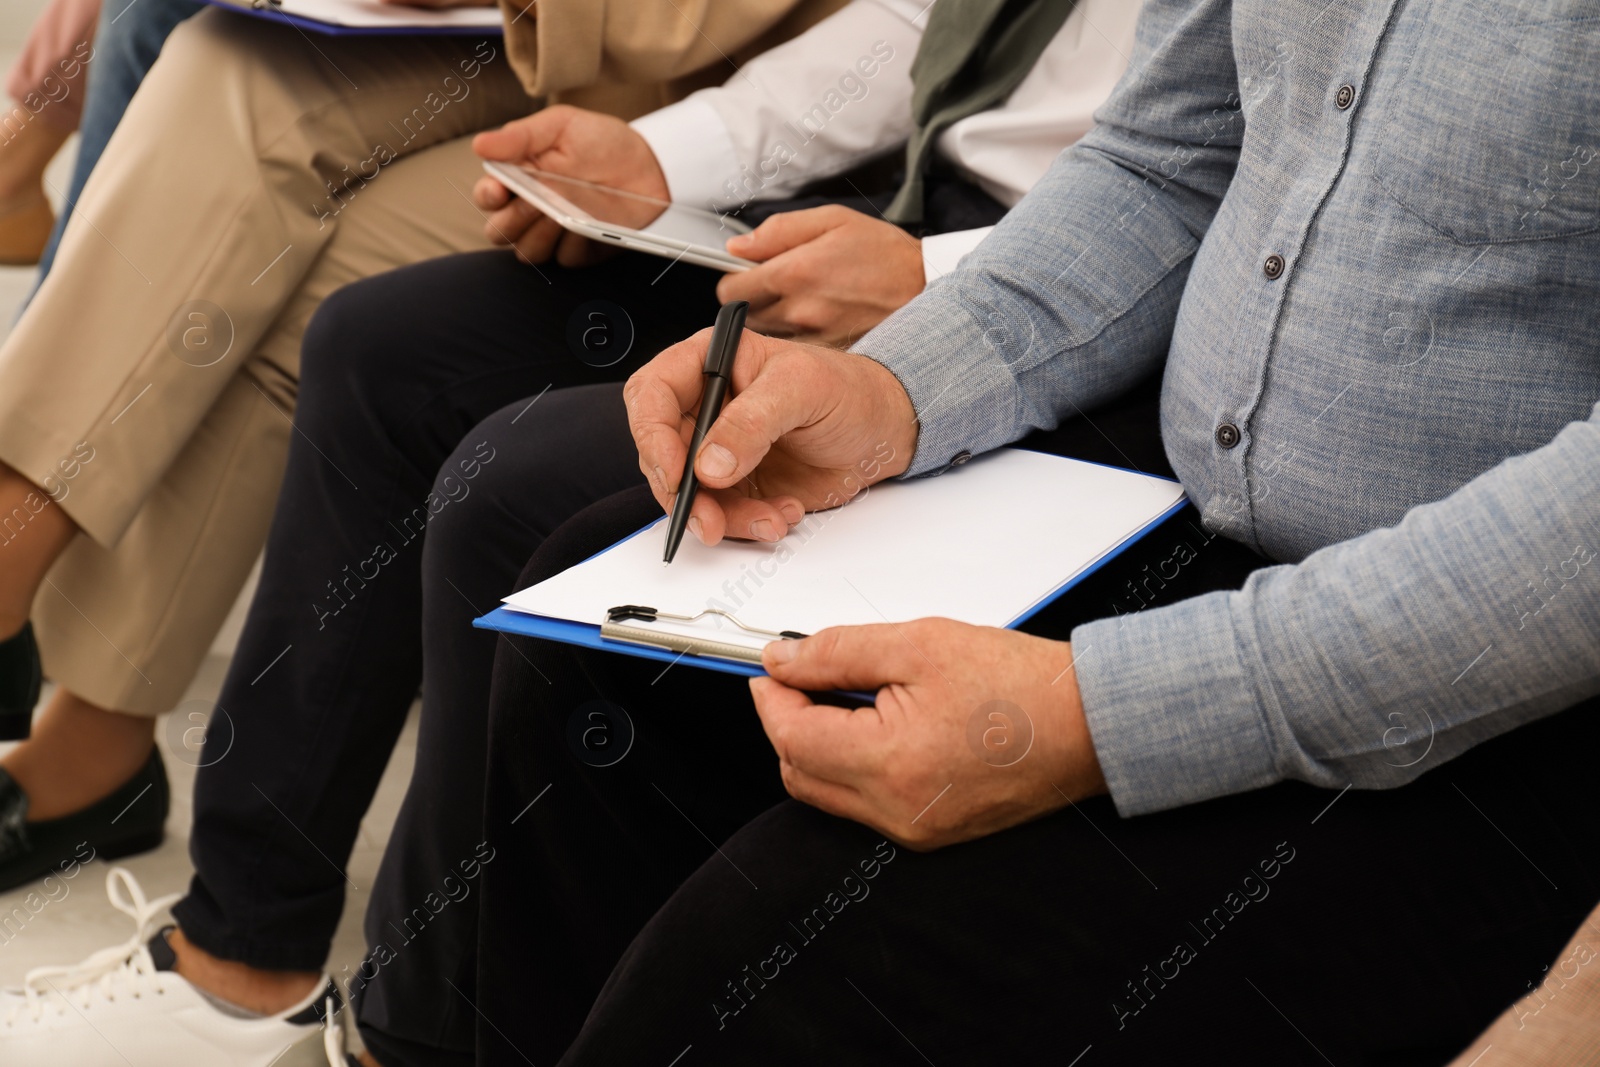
<point>987,543</point>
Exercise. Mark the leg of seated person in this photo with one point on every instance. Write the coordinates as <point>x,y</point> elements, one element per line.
<point>611,780</point>
<point>268,114</point>
<point>165,227</point>
<point>124,628</point>
<point>397,370</point>
<point>1293,924</point>
<point>569,449</point>
<point>126,44</point>
<point>161,592</point>
<point>1264,928</point>
<point>26,148</point>
<point>46,85</point>
<point>210,208</point>
<point>33,532</point>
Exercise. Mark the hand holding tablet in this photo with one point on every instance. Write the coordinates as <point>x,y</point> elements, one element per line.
<point>626,219</point>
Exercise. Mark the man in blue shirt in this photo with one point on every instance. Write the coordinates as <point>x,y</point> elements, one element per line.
<point>1360,238</point>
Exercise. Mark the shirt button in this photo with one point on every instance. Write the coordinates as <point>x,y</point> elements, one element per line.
<point>1227,435</point>
<point>1344,97</point>
<point>960,457</point>
<point>1273,267</point>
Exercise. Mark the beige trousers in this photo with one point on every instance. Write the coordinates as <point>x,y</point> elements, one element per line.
<point>149,386</point>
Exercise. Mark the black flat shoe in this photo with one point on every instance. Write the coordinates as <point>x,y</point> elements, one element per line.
<point>19,684</point>
<point>130,820</point>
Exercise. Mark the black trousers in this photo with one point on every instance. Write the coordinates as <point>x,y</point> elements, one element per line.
<point>399,373</point>
<point>656,900</point>
<point>479,399</point>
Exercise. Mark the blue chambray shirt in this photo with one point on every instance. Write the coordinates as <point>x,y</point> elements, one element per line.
<point>1364,238</point>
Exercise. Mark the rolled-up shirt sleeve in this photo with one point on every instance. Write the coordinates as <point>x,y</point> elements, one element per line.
<point>1372,660</point>
<point>1073,296</point>
<point>693,147</point>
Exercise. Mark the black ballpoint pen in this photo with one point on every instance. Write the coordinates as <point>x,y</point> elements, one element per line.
<point>718,374</point>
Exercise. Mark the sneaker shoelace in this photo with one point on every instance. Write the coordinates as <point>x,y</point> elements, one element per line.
<point>333,1035</point>
<point>125,967</point>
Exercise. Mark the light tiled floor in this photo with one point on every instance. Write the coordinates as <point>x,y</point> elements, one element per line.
<point>77,924</point>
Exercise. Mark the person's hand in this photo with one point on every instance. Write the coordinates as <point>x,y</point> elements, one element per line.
<point>975,728</point>
<point>440,3</point>
<point>574,143</point>
<point>807,428</point>
<point>827,274</point>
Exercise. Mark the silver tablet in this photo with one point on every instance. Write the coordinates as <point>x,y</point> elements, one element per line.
<point>626,219</point>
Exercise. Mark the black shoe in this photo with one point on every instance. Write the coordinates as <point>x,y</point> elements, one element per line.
<point>130,820</point>
<point>19,684</point>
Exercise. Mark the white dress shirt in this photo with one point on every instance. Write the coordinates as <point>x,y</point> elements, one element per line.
<point>840,93</point>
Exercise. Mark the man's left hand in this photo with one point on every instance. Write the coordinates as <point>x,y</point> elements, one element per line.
<point>975,728</point>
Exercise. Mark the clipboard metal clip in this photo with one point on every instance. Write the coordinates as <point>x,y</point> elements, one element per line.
<point>266,5</point>
<point>624,612</point>
<point>617,628</point>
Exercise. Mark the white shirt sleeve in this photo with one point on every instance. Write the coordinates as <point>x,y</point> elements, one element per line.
<point>810,108</point>
<point>943,251</point>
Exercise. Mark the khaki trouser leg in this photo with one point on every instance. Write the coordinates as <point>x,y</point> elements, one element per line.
<point>157,599</point>
<point>188,453</point>
<point>212,190</point>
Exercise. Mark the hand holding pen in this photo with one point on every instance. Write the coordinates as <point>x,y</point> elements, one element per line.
<point>806,429</point>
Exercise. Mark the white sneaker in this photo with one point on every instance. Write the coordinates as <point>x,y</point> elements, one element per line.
<point>125,1007</point>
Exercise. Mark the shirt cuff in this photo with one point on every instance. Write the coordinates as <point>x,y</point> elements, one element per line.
<point>1172,704</point>
<point>964,407</point>
<point>695,150</point>
<point>942,252</point>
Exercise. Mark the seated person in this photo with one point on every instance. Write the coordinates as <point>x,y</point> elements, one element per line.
<point>145,393</point>
<point>46,88</point>
<point>398,370</point>
<point>55,96</point>
<point>1336,808</point>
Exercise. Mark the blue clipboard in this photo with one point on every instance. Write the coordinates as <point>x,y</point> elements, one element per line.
<point>587,635</point>
<point>331,29</point>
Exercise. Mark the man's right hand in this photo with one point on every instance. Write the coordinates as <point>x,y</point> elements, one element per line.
<point>807,428</point>
<point>568,141</point>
